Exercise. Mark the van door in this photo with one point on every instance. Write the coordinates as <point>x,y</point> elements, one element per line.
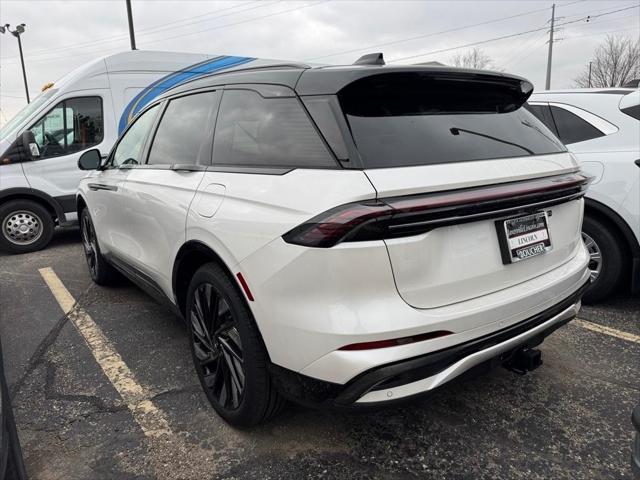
<point>72,126</point>
<point>157,195</point>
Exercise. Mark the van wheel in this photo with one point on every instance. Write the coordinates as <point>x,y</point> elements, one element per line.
<point>605,262</point>
<point>100,270</point>
<point>228,353</point>
<point>26,226</point>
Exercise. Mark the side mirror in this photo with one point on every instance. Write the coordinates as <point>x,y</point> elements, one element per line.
<point>23,149</point>
<point>90,160</point>
<point>31,149</point>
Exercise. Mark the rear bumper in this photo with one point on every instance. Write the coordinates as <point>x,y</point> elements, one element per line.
<point>408,378</point>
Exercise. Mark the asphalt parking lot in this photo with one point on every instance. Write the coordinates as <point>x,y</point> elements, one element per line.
<point>570,419</point>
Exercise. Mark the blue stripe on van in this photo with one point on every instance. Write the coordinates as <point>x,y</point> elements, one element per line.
<point>176,78</point>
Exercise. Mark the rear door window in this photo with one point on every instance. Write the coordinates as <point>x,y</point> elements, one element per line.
<point>409,119</point>
<point>255,131</point>
<point>572,128</point>
<point>185,131</point>
<point>73,125</point>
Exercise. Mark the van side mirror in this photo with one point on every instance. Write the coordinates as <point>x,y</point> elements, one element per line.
<point>23,149</point>
<point>90,160</point>
<point>31,149</point>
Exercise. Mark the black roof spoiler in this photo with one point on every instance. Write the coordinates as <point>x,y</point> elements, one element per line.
<point>370,59</point>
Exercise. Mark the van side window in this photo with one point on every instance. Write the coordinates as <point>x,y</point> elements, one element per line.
<point>129,149</point>
<point>185,130</point>
<point>73,125</point>
<point>571,128</point>
<point>256,131</point>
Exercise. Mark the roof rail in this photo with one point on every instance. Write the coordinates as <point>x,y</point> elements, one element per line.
<point>370,59</point>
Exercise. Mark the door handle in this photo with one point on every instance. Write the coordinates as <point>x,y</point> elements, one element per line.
<point>638,162</point>
<point>188,168</point>
<point>102,186</point>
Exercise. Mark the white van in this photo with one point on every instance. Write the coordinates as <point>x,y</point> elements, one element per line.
<point>85,109</point>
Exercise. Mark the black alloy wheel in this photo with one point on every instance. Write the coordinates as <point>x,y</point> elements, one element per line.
<point>100,270</point>
<point>217,347</point>
<point>229,354</point>
<point>90,245</point>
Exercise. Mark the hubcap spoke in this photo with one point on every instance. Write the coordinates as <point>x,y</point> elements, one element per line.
<point>89,244</point>
<point>217,347</point>
<point>22,227</point>
<point>595,256</point>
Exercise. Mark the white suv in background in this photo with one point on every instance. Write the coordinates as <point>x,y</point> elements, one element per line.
<point>602,128</point>
<point>343,236</point>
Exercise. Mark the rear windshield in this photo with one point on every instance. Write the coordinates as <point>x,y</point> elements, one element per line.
<point>405,119</point>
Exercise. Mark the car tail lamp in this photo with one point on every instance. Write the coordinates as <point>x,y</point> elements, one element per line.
<point>338,224</point>
<point>411,215</point>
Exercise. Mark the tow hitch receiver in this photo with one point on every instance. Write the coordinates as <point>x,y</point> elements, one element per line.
<point>524,360</point>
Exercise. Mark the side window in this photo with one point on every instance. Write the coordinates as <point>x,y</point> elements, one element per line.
<point>256,131</point>
<point>72,125</point>
<point>543,114</point>
<point>129,149</point>
<point>184,131</point>
<point>571,128</point>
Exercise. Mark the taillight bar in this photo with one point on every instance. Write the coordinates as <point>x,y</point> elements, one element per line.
<point>410,215</point>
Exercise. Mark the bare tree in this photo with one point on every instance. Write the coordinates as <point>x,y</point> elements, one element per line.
<point>616,61</point>
<point>475,58</point>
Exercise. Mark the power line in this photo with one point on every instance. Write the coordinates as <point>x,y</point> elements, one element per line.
<point>55,58</point>
<point>524,52</point>
<point>603,33</point>
<point>240,22</point>
<point>408,39</point>
<point>153,29</point>
<point>503,37</point>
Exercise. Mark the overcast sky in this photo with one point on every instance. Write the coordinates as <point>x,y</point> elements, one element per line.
<point>62,35</point>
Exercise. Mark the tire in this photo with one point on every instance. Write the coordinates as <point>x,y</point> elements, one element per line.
<point>100,270</point>
<point>26,226</point>
<point>605,249</point>
<point>228,353</point>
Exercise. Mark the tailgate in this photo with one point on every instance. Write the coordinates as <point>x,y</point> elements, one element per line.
<point>452,155</point>
<point>462,259</point>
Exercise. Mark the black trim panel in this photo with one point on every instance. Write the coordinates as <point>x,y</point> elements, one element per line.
<point>251,170</point>
<point>66,202</point>
<point>142,280</point>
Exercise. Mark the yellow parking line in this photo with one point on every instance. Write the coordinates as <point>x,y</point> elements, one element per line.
<point>152,420</point>
<point>595,327</point>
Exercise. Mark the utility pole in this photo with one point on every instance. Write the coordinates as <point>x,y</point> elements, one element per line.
<point>132,36</point>
<point>550,54</point>
<point>590,74</point>
<point>19,30</point>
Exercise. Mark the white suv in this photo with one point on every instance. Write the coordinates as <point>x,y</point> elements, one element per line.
<point>344,236</point>
<point>602,128</point>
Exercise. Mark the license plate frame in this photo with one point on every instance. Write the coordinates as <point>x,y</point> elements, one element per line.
<point>524,236</point>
